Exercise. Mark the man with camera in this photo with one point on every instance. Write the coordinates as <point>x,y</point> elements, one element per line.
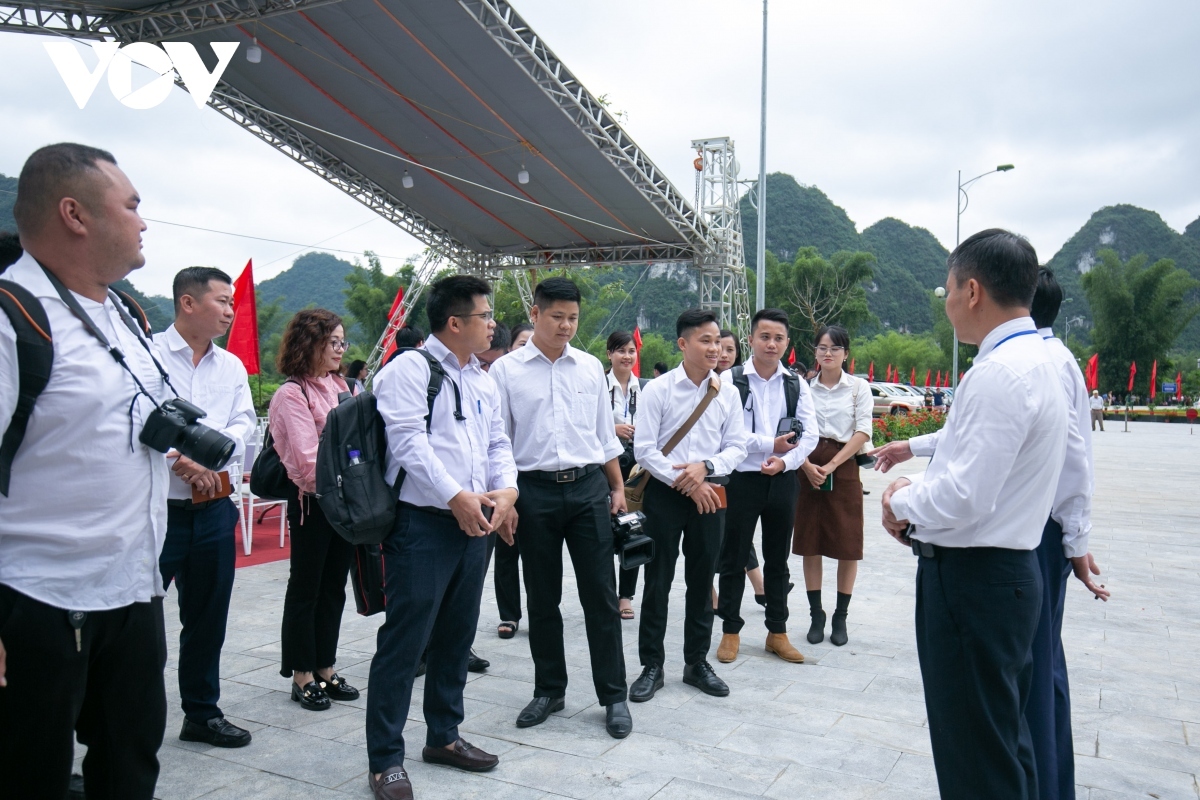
<point>82,640</point>
<point>556,409</point>
<point>200,547</point>
<point>689,437</point>
<point>781,428</point>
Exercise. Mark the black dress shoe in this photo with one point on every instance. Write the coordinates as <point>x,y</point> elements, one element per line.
<point>539,710</point>
<point>337,689</point>
<point>837,633</point>
<point>816,631</point>
<point>649,682</point>
<point>703,677</point>
<point>477,664</point>
<point>761,599</point>
<point>463,755</point>
<point>311,696</point>
<point>393,784</point>
<point>216,731</point>
<point>617,720</point>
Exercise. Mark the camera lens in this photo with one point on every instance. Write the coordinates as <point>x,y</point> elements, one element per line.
<point>209,448</point>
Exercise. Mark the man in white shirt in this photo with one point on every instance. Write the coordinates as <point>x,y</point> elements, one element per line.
<point>460,485</point>
<point>763,487</point>
<point>977,514</point>
<point>199,550</point>
<point>683,499</point>
<point>556,409</point>
<point>1096,404</point>
<point>82,640</point>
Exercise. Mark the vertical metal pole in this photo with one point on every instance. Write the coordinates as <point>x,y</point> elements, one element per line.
<point>760,283</point>
<point>957,223</point>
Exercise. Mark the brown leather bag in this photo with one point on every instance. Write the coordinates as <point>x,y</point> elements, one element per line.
<point>639,479</point>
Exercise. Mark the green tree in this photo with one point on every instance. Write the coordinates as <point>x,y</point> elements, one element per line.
<point>1138,312</point>
<point>816,292</point>
<point>369,293</point>
<point>905,352</point>
<point>654,349</point>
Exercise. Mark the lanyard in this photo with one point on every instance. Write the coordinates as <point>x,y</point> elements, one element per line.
<point>1013,336</point>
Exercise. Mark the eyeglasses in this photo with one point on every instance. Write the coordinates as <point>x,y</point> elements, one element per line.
<point>824,351</point>
<point>488,316</point>
<point>339,344</point>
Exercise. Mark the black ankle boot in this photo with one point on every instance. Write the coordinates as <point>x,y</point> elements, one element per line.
<point>816,632</point>
<point>837,634</point>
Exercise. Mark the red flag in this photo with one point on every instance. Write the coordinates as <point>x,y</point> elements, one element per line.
<point>792,357</point>
<point>1132,372</point>
<point>852,366</point>
<point>390,347</point>
<point>1153,378</point>
<point>1093,372</point>
<point>928,373</point>
<point>889,374</point>
<point>1179,386</point>
<point>637,344</point>
<point>871,372</point>
<point>243,333</point>
<point>960,377</point>
<point>912,379</point>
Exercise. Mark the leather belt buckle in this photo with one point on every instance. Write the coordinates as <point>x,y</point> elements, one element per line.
<point>923,549</point>
<point>564,476</point>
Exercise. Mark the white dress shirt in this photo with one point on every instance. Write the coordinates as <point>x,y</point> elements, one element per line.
<point>471,455</point>
<point>556,413</point>
<point>718,436</point>
<point>219,386</point>
<point>623,404</point>
<point>762,412</point>
<point>83,524</point>
<point>843,409</point>
<point>997,462</point>
<point>1073,499</point>
<point>1097,403</point>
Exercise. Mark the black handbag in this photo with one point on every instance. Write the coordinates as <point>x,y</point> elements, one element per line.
<point>367,579</point>
<point>268,476</point>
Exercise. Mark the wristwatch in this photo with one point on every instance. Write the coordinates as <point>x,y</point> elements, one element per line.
<point>708,465</point>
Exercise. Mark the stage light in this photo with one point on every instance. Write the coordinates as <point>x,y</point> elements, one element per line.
<point>523,175</point>
<point>406,181</point>
<point>254,52</point>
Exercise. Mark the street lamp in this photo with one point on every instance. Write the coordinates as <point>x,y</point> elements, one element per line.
<point>760,285</point>
<point>962,201</point>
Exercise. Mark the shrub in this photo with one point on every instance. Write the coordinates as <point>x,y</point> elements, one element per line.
<point>893,428</point>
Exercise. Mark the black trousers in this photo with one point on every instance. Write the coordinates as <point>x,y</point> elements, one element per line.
<point>1049,709</point>
<point>627,582</point>
<point>110,693</point>
<point>576,513</point>
<point>977,610</point>
<point>507,580</point>
<point>198,555</point>
<point>316,590</point>
<point>753,495</point>
<point>670,517</point>
<point>433,581</point>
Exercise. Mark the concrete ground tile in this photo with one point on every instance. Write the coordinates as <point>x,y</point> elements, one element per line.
<point>293,755</point>
<point>898,736</point>
<point>265,786</point>
<point>719,767</point>
<point>586,738</point>
<point>682,789</point>
<point>1164,755</point>
<point>562,774</point>
<point>837,755</point>
<point>433,782</point>
<point>897,709</point>
<point>799,781</point>
<point>911,688</point>
<point>1123,776</point>
<point>682,725</point>
<point>278,710</point>
<point>185,775</point>
<point>1154,706</point>
<point>916,772</point>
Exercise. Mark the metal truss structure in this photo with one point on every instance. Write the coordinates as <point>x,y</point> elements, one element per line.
<point>722,263</point>
<point>421,279</point>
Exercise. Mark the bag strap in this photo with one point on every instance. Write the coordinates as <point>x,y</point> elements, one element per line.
<point>714,388</point>
<point>35,358</point>
<point>437,375</point>
<point>135,311</point>
<point>791,393</point>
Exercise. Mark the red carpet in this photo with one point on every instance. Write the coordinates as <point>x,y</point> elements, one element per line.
<point>265,546</point>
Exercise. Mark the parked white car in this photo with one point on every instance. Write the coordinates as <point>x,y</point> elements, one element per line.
<point>894,398</point>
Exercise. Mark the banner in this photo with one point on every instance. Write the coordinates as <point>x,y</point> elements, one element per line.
<point>1092,374</point>
<point>1153,379</point>
<point>1132,372</point>
<point>1179,386</point>
<point>243,333</point>
<point>871,372</point>
<point>390,346</point>
<point>928,374</point>
<point>637,345</point>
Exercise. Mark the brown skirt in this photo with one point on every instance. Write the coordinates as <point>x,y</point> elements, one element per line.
<point>830,524</point>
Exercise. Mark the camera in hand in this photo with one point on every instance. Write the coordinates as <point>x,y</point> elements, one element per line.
<point>790,425</point>
<point>632,546</point>
<point>173,425</point>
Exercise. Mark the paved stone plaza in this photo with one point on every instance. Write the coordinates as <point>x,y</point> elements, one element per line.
<point>849,723</point>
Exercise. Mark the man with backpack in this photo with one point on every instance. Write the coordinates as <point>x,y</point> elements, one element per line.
<point>459,485</point>
<point>763,487</point>
<point>83,502</point>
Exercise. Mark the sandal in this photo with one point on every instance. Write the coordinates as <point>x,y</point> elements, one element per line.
<point>507,630</point>
<point>626,613</point>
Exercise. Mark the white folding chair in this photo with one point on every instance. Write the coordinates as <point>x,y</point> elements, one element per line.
<point>253,501</point>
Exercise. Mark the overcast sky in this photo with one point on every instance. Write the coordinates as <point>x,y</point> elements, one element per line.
<point>878,103</point>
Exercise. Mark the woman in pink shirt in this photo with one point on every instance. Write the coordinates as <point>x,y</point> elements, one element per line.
<point>310,355</point>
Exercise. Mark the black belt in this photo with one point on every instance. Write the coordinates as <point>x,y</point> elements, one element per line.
<point>562,475</point>
<point>437,512</point>
<point>923,549</point>
<point>188,505</point>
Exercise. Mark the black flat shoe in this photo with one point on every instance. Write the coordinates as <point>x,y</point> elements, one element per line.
<point>816,631</point>
<point>337,689</point>
<point>216,731</point>
<point>311,696</point>
<point>618,721</point>
<point>539,710</point>
<point>650,681</point>
<point>704,677</point>
<point>477,664</point>
<point>837,629</point>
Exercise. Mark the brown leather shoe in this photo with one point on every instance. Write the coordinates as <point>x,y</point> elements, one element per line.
<point>728,649</point>
<point>393,784</point>
<point>778,644</point>
<point>463,755</point>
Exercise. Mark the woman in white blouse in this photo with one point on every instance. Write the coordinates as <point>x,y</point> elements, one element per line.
<point>829,510</point>
<point>623,394</point>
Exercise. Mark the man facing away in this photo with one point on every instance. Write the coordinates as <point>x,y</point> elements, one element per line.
<point>682,499</point>
<point>977,515</point>
<point>763,487</point>
<point>556,409</point>
<point>460,486</point>
<point>200,548</point>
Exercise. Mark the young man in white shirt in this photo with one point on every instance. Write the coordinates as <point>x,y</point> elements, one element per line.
<point>682,499</point>
<point>82,639</point>
<point>460,486</point>
<point>977,515</point>
<point>763,487</point>
<point>200,548</point>
<point>556,410</point>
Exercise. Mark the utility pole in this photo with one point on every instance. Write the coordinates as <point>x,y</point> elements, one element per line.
<point>760,283</point>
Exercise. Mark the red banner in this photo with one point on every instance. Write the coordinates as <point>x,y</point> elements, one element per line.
<point>928,375</point>
<point>912,379</point>
<point>390,347</point>
<point>1132,372</point>
<point>1179,386</point>
<point>871,372</point>
<point>852,366</point>
<point>637,344</point>
<point>1153,379</point>
<point>1093,372</point>
<point>888,379</point>
<point>792,357</point>
<point>243,333</point>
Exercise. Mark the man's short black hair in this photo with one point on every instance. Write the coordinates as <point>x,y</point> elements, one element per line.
<point>453,296</point>
<point>52,173</point>
<point>193,281</point>
<point>554,290</point>
<point>661,367</point>
<point>1047,299</point>
<point>694,318</point>
<point>770,315</point>
<point>409,336</point>
<point>1004,263</point>
<point>501,337</point>
<point>10,249</point>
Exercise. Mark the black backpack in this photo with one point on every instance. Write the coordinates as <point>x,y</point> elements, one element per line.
<point>791,388</point>
<point>35,357</point>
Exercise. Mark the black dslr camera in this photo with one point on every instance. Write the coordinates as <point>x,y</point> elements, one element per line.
<point>632,546</point>
<point>790,425</point>
<point>173,425</point>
